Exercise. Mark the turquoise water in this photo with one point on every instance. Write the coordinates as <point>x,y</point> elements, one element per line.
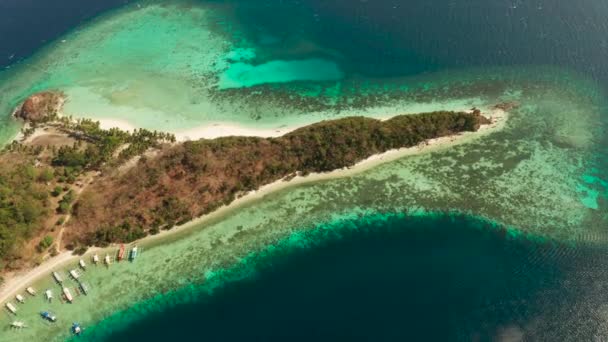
<point>291,265</point>
<point>382,277</point>
<point>246,75</point>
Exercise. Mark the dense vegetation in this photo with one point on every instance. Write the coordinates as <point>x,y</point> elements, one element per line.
<point>37,182</point>
<point>24,202</point>
<point>194,178</point>
<point>96,146</point>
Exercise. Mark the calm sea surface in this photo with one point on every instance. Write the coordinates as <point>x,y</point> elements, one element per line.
<point>425,278</point>
<point>391,278</point>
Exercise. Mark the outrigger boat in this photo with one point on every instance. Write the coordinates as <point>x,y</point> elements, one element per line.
<point>57,277</point>
<point>133,253</point>
<point>76,329</point>
<point>49,295</point>
<point>68,295</point>
<point>31,291</point>
<point>20,298</point>
<point>47,315</point>
<point>96,259</point>
<point>18,325</point>
<point>11,308</point>
<point>121,252</point>
<point>74,274</point>
<point>107,259</point>
<point>82,264</point>
<point>84,288</point>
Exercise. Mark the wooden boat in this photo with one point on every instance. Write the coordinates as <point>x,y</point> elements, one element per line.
<point>11,308</point>
<point>18,325</point>
<point>68,295</point>
<point>57,277</point>
<point>49,295</point>
<point>49,316</point>
<point>84,288</point>
<point>133,253</point>
<point>76,329</point>
<point>82,264</point>
<point>121,252</point>
<point>31,291</point>
<point>20,298</point>
<point>96,259</point>
<point>74,274</point>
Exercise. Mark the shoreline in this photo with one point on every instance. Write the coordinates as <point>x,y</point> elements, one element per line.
<point>213,130</point>
<point>207,131</point>
<point>19,280</point>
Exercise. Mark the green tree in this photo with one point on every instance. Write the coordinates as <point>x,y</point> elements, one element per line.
<point>46,175</point>
<point>45,243</point>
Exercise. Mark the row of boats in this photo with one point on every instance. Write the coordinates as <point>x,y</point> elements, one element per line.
<point>67,294</point>
<point>133,253</point>
<point>46,315</point>
<point>76,327</point>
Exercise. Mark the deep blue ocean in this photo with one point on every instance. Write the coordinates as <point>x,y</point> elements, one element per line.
<point>391,278</point>
<point>381,37</point>
<point>397,279</point>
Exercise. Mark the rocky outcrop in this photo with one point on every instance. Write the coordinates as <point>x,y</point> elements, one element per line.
<point>506,106</point>
<point>40,106</point>
<point>479,119</point>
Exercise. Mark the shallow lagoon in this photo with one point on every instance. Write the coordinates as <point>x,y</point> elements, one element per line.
<point>533,175</point>
<point>541,175</point>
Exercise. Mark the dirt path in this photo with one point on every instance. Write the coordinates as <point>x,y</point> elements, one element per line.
<point>88,179</point>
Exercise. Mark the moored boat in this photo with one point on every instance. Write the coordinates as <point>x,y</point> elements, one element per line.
<point>20,298</point>
<point>76,329</point>
<point>49,295</point>
<point>49,316</point>
<point>68,295</point>
<point>107,259</point>
<point>96,259</point>
<point>11,308</point>
<point>31,291</point>
<point>18,325</point>
<point>74,274</point>
<point>57,277</point>
<point>121,252</point>
<point>84,288</point>
<point>133,253</point>
<point>82,264</point>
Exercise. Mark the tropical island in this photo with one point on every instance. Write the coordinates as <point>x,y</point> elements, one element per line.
<point>69,184</point>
